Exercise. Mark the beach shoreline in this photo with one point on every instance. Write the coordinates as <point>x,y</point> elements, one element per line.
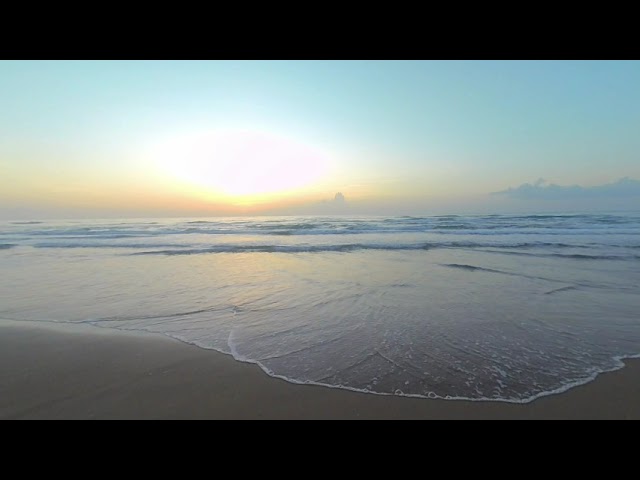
<point>54,370</point>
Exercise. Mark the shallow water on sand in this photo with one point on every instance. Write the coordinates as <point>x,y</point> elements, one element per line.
<point>478,307</point>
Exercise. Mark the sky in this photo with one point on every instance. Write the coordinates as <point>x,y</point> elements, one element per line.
<point>191,138</point>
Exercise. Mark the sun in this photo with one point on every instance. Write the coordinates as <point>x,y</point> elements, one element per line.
<point>240,165</point>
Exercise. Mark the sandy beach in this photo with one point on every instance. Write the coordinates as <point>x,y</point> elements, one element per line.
<point>61,371</point>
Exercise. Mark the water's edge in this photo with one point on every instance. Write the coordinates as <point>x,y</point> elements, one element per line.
<point>618,359</point>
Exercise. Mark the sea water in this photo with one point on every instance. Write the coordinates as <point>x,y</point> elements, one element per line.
<point>483,307</point>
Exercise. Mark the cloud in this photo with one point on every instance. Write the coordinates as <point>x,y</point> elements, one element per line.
<point>541,190</point>
<point>336,206</point>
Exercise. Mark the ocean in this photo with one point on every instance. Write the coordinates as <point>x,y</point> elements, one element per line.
<point>479,307</point>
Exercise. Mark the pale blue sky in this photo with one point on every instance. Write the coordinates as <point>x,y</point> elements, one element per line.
<point>404,130</point>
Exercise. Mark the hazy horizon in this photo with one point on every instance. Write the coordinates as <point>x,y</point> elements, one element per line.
<point>576,200</point>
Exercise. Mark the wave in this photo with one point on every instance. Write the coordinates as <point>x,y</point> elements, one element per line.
<point>490,225</point>
<point>561,289</point>
<point>582,250</point>
<point>351,247</point>
<point>283,249</point>
<point>573,256</point>
<point>565,386</point>
<point>359,230</point>
<point>472,268</point>
<point>231,248</point>
<point>452,227</point>
<point>7,246</point>
<point>170,315</point>
<point>109,245</point>
<point>579,256</point>
<point>99,236</point>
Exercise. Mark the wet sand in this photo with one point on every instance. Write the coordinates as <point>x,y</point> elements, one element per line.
<point>50,371</point>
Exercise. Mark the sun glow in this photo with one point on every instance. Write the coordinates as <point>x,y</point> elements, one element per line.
<point>240,167</point>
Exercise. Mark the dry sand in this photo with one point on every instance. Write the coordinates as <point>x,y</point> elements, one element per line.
<point>50,371</point>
